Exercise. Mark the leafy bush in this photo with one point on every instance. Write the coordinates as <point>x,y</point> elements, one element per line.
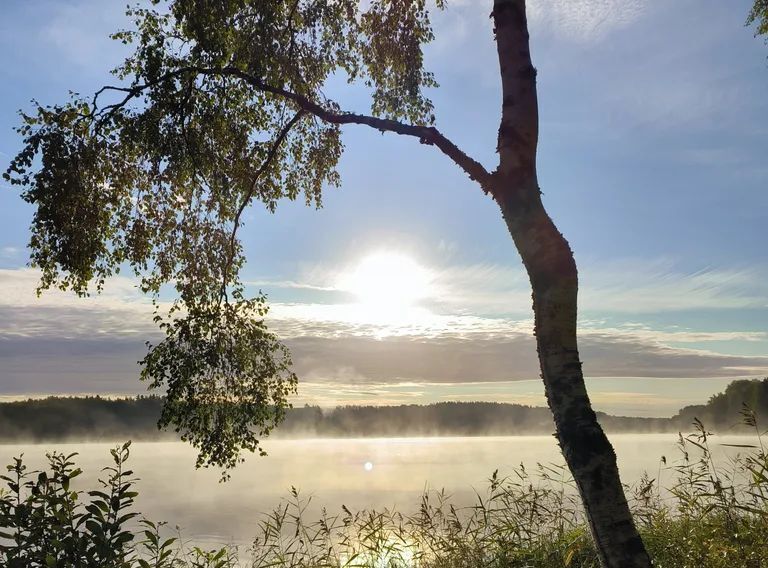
<point>45,523</point>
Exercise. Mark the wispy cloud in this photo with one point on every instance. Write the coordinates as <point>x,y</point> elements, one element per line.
<point>502,358</point>
<point>585,21</point>
<point>620,286</point>
<point>645,332</point>
<point>692,99</point>
<point>638,286</point>
<point>9,252</point>
<point>290,285</point>
<point>119,310</point>
<point>626,286</point>
<point>18,287</point>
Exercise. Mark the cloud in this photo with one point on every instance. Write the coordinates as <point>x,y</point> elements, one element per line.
<point>78,31</point>
<point>68,350</point>
<point>584,21</point>
<point>669,99</point>
<point>620,286</point>
<point>18,287</point>
<point>119,310</point>
<point>9,252</point>
<point>51,365</point>
<point>637,286</point>
<point>644,332</point>
<point>476,300</point>
<point>60,343</point>
<point>474,359</point>
<point>290,285</point>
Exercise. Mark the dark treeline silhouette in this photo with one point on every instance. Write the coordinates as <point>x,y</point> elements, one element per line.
<point>724,410</point>
<point>97,418</point>
<point>81,418</point>
<point>444,419</point>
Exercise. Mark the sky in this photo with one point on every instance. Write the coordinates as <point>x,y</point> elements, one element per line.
<point>406,287</point>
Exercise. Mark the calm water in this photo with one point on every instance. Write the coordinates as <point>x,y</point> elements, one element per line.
<point>334,472</point>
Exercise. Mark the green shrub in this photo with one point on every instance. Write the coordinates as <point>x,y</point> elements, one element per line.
<point>45,523</point>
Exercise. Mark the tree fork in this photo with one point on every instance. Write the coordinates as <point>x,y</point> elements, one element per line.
<point>551,267</point>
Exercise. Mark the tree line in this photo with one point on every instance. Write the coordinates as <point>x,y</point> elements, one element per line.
<point>98,418</point>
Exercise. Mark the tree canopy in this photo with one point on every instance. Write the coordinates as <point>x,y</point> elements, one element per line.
<point>759,15</point>
<point>219,105</point>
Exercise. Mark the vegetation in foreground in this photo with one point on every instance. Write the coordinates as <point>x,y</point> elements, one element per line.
<point>709,516</point>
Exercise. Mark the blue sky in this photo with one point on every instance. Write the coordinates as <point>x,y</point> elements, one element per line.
<point>652,162</point>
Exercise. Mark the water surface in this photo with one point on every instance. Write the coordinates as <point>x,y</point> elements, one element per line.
<point>334,472</point>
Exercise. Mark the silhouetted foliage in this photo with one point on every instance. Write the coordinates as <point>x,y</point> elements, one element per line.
<point>80,418</point>
<point>724,411</point>
<point>46,523</point>
<point>759,16</point>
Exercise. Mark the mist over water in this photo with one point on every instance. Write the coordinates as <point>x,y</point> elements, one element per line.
<point>359,473</point>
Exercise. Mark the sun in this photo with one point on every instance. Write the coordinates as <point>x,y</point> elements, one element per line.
<point>388,280</point>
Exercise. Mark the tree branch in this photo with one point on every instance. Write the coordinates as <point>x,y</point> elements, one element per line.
<point>426,134</point>
<point>249,195</point>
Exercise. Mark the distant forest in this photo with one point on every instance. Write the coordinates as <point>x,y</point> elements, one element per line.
<point>96,418</point>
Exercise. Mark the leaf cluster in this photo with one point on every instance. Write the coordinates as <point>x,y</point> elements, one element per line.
<point>45,522</point>
<point>759,15</point>
<point>223,393</point>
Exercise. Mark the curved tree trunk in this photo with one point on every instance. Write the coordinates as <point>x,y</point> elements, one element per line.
<point>552,270</point>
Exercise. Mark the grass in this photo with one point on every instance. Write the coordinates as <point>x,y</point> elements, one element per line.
<point>707,516</point>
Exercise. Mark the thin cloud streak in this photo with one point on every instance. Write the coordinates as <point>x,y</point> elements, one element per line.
<point>619,286</point>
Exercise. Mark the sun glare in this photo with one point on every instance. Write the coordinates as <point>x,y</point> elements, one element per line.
<point>388,281</point>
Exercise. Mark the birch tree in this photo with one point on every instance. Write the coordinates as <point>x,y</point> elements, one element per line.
<point>220,105</point>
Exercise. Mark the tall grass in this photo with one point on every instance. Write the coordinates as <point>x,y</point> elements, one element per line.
<point>705,515</point>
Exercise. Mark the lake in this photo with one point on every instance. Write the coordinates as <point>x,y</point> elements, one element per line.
<point>358,473</point>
